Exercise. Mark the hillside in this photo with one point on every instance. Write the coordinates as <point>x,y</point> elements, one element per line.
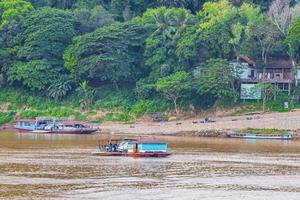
<point>116,60</point>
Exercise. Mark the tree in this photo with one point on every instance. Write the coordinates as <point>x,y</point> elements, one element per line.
<point>211,35</point>
<point>59,88</point>
<point>88,20</point>
<point>247,17</point>
<point>108,55</point>
<point>127,9</point>
<point>13,10</point>
<point>268,91</point>
<point>44,36</point>
<point>293,38</point>
<point>216,77</point>
<point>164,27</point>
<point>266,36</point>
<point>174,86</point>
<point>281,15</point>
<point>62,4</point>
<point>87,94</point>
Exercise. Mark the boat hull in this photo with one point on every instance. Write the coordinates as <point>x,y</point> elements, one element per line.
<point>146,154</point>
<point>76,132</point>
<point>263,137</point>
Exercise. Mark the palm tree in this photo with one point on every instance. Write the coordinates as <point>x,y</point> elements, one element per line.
<point>87,94</point>
<point>59,88</point>
<point>171,24</point>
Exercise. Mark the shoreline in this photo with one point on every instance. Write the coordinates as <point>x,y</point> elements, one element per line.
<point>218,128</point>
<point>195,126</point>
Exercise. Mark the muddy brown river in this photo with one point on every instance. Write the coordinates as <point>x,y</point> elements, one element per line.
<point>62,167</point>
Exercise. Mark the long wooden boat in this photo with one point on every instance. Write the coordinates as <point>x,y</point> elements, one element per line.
<point>45,126</point>
<point>285,136</point>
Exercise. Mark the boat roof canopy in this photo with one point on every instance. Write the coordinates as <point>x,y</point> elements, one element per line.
<point>30,120</point>
<point>70,122</point>
<point>149,142</point>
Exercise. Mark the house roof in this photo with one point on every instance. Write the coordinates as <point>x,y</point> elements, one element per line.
<point>280,63</point>
<point>247,60</point>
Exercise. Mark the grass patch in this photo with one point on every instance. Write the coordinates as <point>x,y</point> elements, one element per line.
<point>264,131</point>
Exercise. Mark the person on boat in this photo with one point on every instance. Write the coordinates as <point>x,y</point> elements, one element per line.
<point>114,147</point>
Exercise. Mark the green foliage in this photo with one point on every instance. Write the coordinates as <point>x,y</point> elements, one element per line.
<point>59,88</point>
<point>36,74</point>
<point>121,117</point>
<point>278,104</point>
<point>165,27</point>
<point>88,20</point>
<point>31,114</point>
<point>63,4</point>
<point>132,56</point>
<point>174,86</point>
<point>110,54</point>
<point>217,78</point>
<point>293,38</point>
<point>13,10</point>
<point>6,117</point>
<point>110,98</point>
<point>87,94</point>
<point>45,35</point>
<point>60,112</point>
<point>144,106</point>
<point>264,131</point>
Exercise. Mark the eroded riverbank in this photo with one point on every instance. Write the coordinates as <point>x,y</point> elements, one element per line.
<point>61,167</point>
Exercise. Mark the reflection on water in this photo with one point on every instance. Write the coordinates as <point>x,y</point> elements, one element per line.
<point>61,167</point>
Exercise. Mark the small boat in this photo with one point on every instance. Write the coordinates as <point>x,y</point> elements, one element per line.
<point>284,136</point>
<point>134,148</point>
<point>43,126</point>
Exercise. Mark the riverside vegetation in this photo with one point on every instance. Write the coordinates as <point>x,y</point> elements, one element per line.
<point>117,59</point>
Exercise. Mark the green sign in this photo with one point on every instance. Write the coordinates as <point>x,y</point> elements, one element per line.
<point>250,91</point>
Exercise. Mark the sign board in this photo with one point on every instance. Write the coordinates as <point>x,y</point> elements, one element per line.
<point>250,91</point>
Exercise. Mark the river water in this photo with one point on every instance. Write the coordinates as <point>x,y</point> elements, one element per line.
<point>62,167</point>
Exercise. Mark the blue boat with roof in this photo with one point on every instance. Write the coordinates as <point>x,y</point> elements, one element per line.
<point>133,148</point>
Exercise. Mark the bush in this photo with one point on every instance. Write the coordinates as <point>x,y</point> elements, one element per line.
<point>6,117</point>
<point>143,106</point>
<point>79,116</point>
<point>60,112</point>
<point>278,105</point>
<point>122,117</point>
<point>31,114</point>
<point>109,98</point>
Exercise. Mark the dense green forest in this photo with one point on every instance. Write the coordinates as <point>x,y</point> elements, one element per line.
<point>134,56</point>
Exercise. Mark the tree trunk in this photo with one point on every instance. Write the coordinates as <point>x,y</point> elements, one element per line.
<point>264,104</point>
<point>294,69</point>
<point>175,105</point>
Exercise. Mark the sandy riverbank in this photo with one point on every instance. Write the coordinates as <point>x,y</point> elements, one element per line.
<point>279,121</point>
<point>220,126</point>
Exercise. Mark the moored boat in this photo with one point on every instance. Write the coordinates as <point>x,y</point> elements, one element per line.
<point>43,126</point>
<point>284,136</point>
